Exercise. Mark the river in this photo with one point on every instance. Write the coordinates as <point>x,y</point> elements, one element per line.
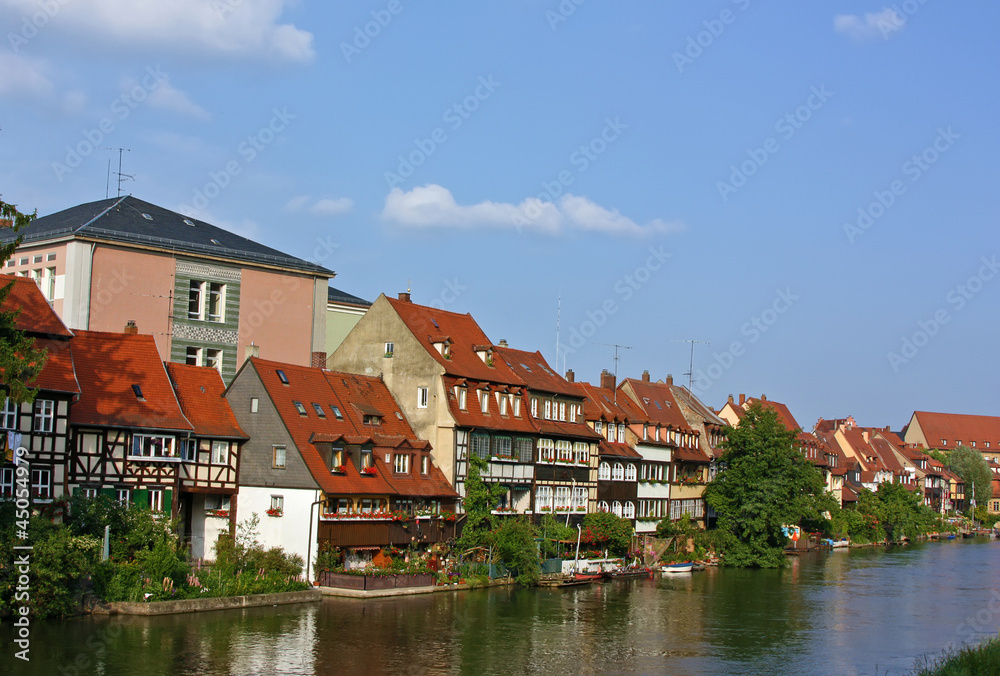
<point>863,611</point>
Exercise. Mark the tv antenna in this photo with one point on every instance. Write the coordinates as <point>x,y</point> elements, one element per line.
<point>690,371</point>
<point>617,347</point>
<point>558,318</point>
<point>121,176</point>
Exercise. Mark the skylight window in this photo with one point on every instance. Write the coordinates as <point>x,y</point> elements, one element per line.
<point>319,410</point>
<point>188,221</point>
<point>281,376</point>
<point>215,241</point>
<point>336,412</point>
<point>299,407</point>
<point>137,390</point>
<point>526,367</point>
<point>657,404</point>
<point>147,217</point>
<point>434,322</point>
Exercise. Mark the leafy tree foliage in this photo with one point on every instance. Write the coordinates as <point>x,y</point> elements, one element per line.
<point>20,362</point>
<point>607,531</point>
<point>552,533</point>
<point>767,483</point>
<point>970,465</point>
<point>480,498</point>
<point>514,545</point>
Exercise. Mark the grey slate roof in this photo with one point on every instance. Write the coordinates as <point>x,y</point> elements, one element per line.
<point>337,296</point>
<point>121,219</point>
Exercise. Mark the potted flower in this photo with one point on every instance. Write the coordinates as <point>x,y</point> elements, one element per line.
<point>368,471</point>
<point>274,511</point>
<point>218,512</point>
<point>338,469</point>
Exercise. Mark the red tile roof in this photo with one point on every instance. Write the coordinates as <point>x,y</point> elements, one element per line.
<point>36,316</point>
<point>658,403</point>
<point>200,391</point>
<point>473,416</point>
<point>535,372</point>
<point>609,405</point>
<point>955,426</point>
<point>107,367</point>
<point>58,374</point>
<point>427,323</point>
<point>618,450</point>
<point>353,395</point>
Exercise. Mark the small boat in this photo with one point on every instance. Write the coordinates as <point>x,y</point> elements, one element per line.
<point>626,573</point>
<point>563,581</point>
<point>681,567</point>
<point>951,536</point>
<point>587,577</point>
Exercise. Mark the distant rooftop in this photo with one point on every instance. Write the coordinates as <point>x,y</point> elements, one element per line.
<point>337,296</point>
<point>130,220</point>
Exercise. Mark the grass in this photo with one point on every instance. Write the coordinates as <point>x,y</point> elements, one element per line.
<point>980,660</point>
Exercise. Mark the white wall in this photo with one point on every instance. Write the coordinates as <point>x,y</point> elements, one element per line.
<point>289,531</point>
<point>204,529</point>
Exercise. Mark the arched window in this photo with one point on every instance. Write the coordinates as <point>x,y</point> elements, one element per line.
<point>603,507</point>
<point>617,508</point>
<point>618,473</point>
<point>630,473</point>
<point>604,472</point>
<point>629,510</point>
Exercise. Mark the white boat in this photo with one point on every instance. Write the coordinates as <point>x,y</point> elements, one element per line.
<point>682,567</point>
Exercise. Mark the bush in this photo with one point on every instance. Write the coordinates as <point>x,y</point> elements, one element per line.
<point>514,546</point>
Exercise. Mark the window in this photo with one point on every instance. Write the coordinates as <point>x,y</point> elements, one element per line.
<point>618,473</point>
<point>90,492</point>
<point>611,434</point>
<point>462,396</point>
<point>36,258</point>
<point>562,500</point>
<point>299,407</point>
<point>543,499</point>
<point>367,458</point>
<point>616,507</point>
<point>629,512</point>
<point>216,302</point>
<point>123,496</point>
<point>278,457</point>
<point>630,473</point>
<point>220,452</point>
<point>281,376</point>
<point>401,463</point>
<point>319,410</point>
<point>503,404</point>
<point>278,503</point>
<point>564,450</point>
<point>425,463</point>
<point>389,348</point>
<point>481,445</point>
<point>484,401</point>
<point>422,397</point>
<point>973,443</point>
<point>193,356</point>
<point>156,499</point>
<point>24,261</point>
<point>534,407</point>
<point>502,447</point>
<point>562,410</point>
<point>517,408</point>
<point>147,446</point>
<point>8,415</point>
<point>41,483</point>
<point>524,449</point>
<point>213,359</point>
<point>582,452</point>
<point>371,419</point>
<point>336,412</point>
<point>49,288</point>
<point>50,257</point>
<point>548,410</point>
<point>621,432</point>
<point>604,472</point>
<point>546,450</point>
<point>603,507</point>
<point>254,404</point>
<point>7,481</point>
<point>195,294</point>
<point>579,498</point>
<point>598,427</point>
<point>645,431</point>
<point>45,414</point>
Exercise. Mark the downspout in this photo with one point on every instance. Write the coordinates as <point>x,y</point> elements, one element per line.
<point>309,543</point>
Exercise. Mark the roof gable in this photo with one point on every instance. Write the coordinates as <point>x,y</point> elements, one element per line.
<point>36,316</point>
<point>200,390</point>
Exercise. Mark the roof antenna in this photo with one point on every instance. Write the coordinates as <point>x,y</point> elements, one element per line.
<point>690,371</point>
<point>616,346</point>
<point>127,177</point>
<point>558,317</point>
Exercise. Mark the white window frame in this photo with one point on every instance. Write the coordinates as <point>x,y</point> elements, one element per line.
<point>621,432</point>
<point>216,291</point>
<point>45,416</point>
<point>167,446</point>
<point>10,414</point>
<point>220,452</point>
<point>580,498</point>
<point>564,451</point>
<point>548,410</point>
<point>462,398</point>
<point>503,404</point>
<point>156,499</point>
<point>543,498</point>
<point>196,296</point>
<point>423,396</point>
<point>581,452</point>
<point>213,359</point>
<point>546,450</point>
<point>7,480</point>
<point>41,483</point>
<point>604,472</point>
<point>629,511</point>
<point>401,463</point>
<point>630,472</point>
<point>425,464</point>
<point>484,401</point>
<point>618,473</point>
<point>616,508</point>
<point>192,356</point>
<point>279,451</point>
<point>562,499</point>
<point>278,502</point>
<point>390,348</point>
<point>534,407</point>
<point>611,433</point>
<point>517,408</point>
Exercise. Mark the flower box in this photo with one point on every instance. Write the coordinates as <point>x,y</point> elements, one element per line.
<point>338,469</point>
<point>274,512</point>
<point>217,512</point>
<point>369,471</point>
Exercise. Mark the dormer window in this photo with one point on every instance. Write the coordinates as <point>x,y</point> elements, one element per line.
<point>599,427</point>
<point>369,419</point>
<point>517,407</point>
<point>462,398</point>
<point>484,401</point>
<point>503,404</point>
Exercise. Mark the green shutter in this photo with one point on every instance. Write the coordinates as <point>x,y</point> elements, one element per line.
<point>168,496</point>
<point>141,498</point>
<point>108,493</point>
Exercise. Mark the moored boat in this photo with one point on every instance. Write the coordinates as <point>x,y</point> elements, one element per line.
<point>680,567</point>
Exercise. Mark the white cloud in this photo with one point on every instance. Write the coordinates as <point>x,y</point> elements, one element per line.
<point>872,27</point>
<point>232,28</point>
<point>332,207</point>
<point>244,228</point>
<point>433,206</point>
<point>165,96</point>
<point>326,206</point>
<point>23,77</point>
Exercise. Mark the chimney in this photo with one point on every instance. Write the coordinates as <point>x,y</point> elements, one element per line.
<point>864,435</point>
<point>570,376</point>
<point>318,360</point>
<point>670,379</point>
<point>607,380</point>
<point>763,397</point>
<point>645,376</point>
<point>130,328</point>
<point>743,398</point>
<point>251,350</point>
<point>503,342</point>
<point>404,296</point>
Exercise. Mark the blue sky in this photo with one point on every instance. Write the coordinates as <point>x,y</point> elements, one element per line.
<point>812,189</point>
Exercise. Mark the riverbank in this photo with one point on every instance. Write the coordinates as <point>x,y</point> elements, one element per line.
<point>970,661</point>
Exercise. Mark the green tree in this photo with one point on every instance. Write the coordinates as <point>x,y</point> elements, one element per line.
<point>767,483</point>
<point>514,545</point>
<point>20,362</point>
<point>552,533</point>
<point>480,499</point>
<point>970,465</point>
<point>607,531</point>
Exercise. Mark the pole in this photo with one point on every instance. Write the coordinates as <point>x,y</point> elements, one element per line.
<point>310,542</point>
<point>576,558</point>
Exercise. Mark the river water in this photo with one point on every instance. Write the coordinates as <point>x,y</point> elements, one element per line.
<point>863,611</point>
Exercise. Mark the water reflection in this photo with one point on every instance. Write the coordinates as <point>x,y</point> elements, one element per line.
<point>845,612</point>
